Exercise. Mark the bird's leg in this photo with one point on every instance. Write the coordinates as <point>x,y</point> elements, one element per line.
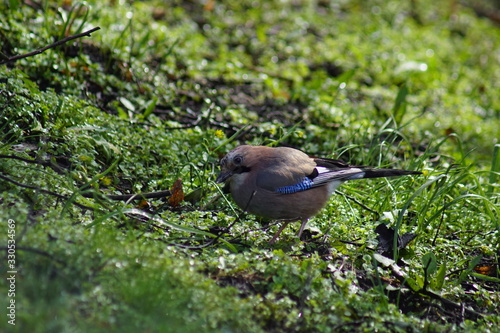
<point>302,226</point>
<point>276,235</point>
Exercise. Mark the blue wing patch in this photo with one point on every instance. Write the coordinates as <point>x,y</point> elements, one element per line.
<point>322,176</point>
<point>305,184</point>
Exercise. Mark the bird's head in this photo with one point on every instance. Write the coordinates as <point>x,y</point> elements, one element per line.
<point>237,161</point>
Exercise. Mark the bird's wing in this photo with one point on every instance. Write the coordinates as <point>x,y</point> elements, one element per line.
<point>322,176</point>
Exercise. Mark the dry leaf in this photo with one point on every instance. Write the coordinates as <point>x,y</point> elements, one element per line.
<point>177,194</point>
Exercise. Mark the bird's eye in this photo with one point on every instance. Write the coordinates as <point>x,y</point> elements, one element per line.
<point>237,160</point>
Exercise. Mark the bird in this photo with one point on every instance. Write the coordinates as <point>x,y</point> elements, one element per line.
<point>283,183</point>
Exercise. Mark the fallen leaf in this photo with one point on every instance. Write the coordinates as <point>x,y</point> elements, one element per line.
<point>177,194</point>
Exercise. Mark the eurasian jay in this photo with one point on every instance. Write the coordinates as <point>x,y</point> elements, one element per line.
<point>286,184</point>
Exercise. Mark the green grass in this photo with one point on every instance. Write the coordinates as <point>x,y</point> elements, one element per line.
<point>163,90</point>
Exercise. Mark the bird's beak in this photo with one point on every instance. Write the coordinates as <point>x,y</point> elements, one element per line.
<point>223,176</point>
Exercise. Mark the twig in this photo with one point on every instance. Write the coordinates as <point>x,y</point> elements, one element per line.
<point>357,202</point>
<point>124,197</point>
<point>49,164</point>
<point>37,251</point>
<point>138,196</point>
<point>14,157</point>
<point>459,306</point>
<point>60,196</point>
<point>144,219</point>
<point>43,49</point>
<point>356,244</point>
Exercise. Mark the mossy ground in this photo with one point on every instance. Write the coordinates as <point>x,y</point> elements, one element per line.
<point>164,89</point>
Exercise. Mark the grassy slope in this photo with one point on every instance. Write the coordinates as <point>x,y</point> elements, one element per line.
<point>155,94</point>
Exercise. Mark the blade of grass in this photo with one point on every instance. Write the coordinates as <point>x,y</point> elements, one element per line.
<point>405,208</point>
<point>235,135</point>
<point>399,108</point>
<point>495,169</point>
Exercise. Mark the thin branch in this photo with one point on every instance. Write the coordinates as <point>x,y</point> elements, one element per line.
<point>459,306</point>
<point>357,202</point>
<point>138,196</point>
<point>43,49</point>
<point>14,157</point>
<point>37,251</point>
<point>356,244</point>
<point>123,197</point>
<point>48,163</point>
<point>57,195</point>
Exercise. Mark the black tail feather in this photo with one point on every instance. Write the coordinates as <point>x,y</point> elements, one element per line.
<point>377,173</point>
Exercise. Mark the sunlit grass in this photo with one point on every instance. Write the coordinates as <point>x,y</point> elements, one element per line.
<point>161,92</point>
